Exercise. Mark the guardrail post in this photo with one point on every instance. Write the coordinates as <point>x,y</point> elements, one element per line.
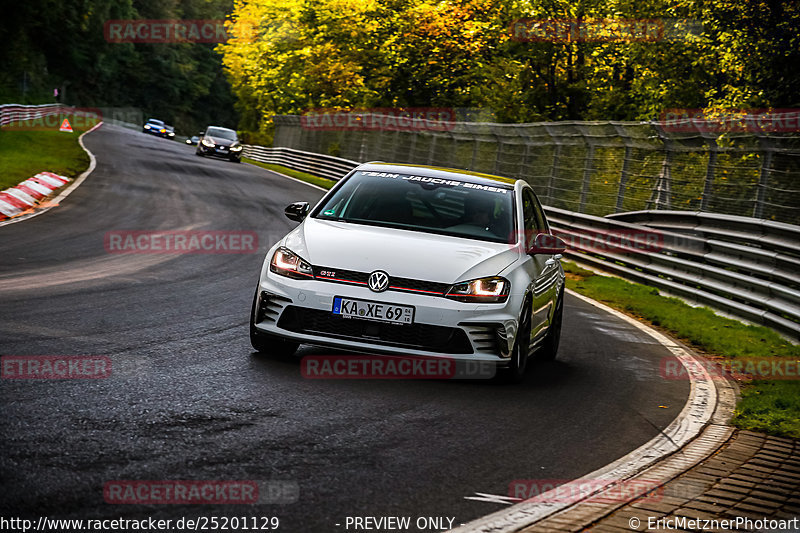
<point>474,154</point>
<point>498,150</point>
<point>763,180</point>
<point>662,192</point>
<point>705,200</point>
<point>523,166</point>
<point>588,170</point>
<point>432,149</point>
<point>363,147</point>
<point>396,156</point>
<point>553,173</point>
<point>623,176</point>
<point>623,179</point>
<point>411,150</point>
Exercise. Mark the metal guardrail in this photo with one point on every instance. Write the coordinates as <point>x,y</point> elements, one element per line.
<point>318,164</point>
<point>755,281</point>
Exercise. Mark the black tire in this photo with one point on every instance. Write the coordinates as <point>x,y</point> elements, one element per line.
<point>549,348</point>
<point>266,343</point>
<point>515,372</point>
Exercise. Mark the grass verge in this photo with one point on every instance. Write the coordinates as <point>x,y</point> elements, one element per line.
<point>769,406</point>
<point>325,183</point>
<point>26,153</point>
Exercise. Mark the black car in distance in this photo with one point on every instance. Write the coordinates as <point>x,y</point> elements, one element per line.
<point>220,142</point>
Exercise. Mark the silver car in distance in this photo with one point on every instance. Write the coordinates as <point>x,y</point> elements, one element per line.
<point>416,261</point>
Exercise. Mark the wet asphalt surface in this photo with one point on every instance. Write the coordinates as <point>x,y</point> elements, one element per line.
<point>188,399</point>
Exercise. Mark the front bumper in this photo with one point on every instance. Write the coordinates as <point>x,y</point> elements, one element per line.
<point>301,310</point>
<point>220,152</point>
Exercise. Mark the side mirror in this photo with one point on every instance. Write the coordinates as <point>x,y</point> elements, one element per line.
<point>297,211</point>
<point>545,243</point>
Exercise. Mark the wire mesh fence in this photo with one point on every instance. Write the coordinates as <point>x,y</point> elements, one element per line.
<point>593,167</point>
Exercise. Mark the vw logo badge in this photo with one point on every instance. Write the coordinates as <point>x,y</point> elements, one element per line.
<point>378,281</point>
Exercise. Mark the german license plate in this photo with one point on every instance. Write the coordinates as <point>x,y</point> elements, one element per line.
<point>378,311</point>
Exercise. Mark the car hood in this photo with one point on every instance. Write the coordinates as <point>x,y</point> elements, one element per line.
<point>401,253</point>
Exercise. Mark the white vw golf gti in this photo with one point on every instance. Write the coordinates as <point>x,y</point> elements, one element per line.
<point>420,261</point>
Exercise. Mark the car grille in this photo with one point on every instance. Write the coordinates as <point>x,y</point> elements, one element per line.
<point>353,277</point>
<point>440,339</point>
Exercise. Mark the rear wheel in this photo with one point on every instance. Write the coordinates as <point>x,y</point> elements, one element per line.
<point>515,372</point>
<point>549,348</point>
<point>266,343</point>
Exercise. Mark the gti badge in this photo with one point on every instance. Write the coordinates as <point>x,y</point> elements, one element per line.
<point>378,281</point>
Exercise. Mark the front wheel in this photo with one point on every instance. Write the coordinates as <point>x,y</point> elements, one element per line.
<point>549,348</point>
<point>515,372</point>
<point>266,343</point>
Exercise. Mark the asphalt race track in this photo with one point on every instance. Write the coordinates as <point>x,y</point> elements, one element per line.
<point>188,399</point>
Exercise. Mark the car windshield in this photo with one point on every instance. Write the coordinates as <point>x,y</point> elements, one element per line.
<point>223,133</point>
<point>156,122</point>
<point>446,206</point>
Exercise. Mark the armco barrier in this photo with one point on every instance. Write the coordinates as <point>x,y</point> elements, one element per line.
<point>754,282</point>
<point>318,164</point>
<point>742,266</point>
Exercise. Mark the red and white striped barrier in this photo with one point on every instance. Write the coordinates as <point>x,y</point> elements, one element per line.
<point>10,113</point>
<point>24,197</point>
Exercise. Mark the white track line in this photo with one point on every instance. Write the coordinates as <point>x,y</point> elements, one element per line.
<point>66,192</point>
<point>288,177</point>
<point>696,413</point>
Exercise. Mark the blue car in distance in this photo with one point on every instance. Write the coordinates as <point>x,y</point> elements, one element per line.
<point>155,127</point>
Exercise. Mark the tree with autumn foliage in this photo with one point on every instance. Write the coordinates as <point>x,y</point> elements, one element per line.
<point>293,56</point>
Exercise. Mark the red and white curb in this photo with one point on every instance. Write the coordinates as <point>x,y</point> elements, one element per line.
<point>26,196</point>
<point>25,200</point>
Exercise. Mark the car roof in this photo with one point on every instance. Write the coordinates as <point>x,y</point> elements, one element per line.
<point>440,172</point>
<point>154,120</point>
<point>220,128</point>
